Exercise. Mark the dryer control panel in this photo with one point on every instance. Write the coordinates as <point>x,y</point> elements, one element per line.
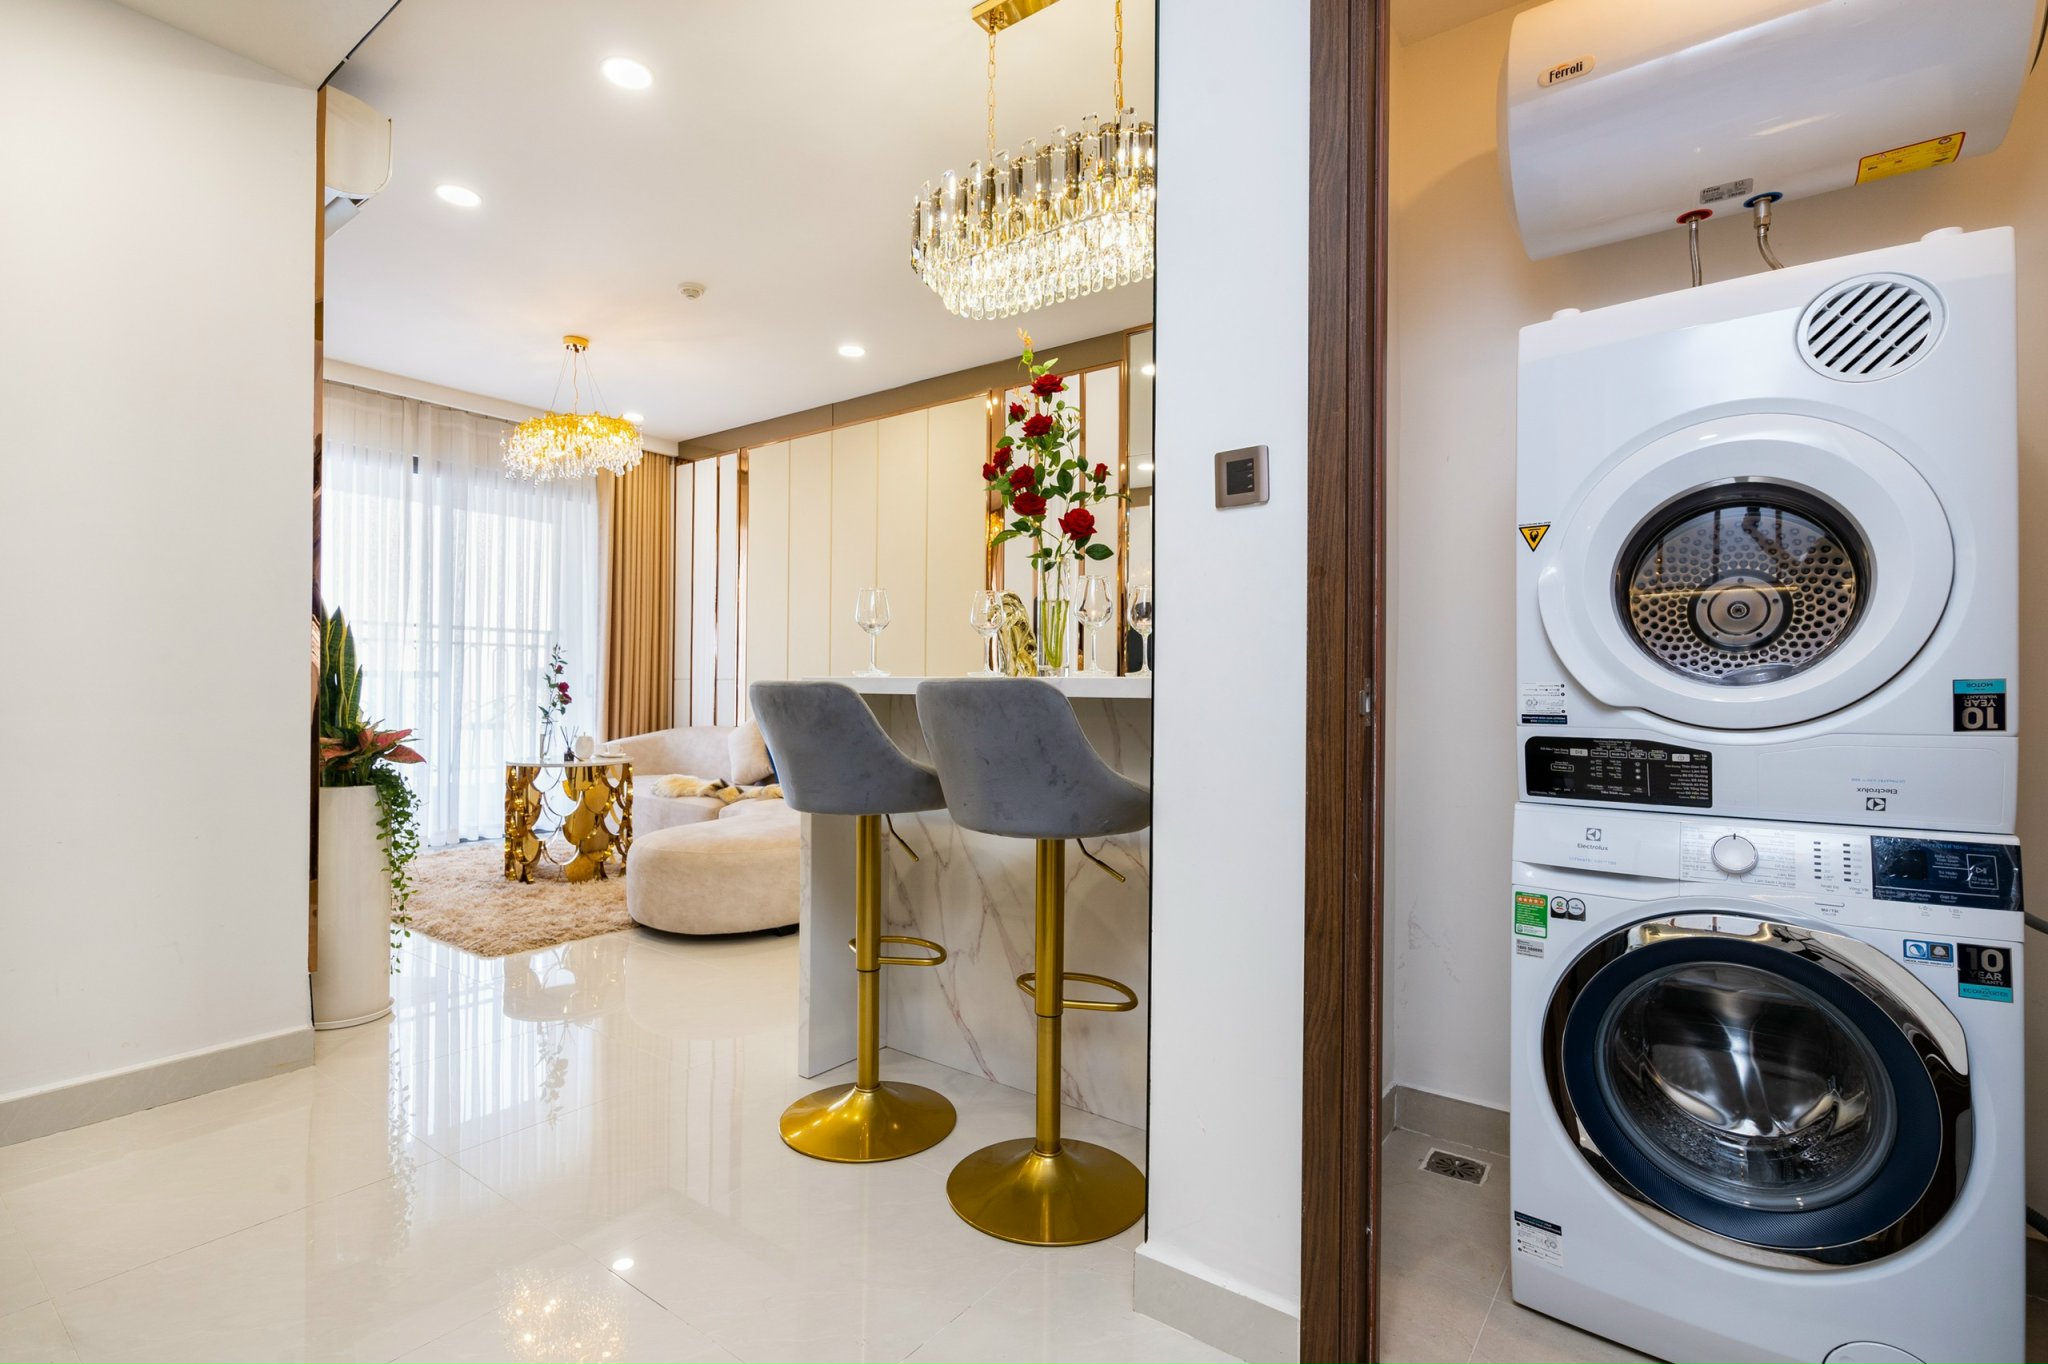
<point>1624,771</point>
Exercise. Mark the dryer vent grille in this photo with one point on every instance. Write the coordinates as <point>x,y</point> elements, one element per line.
<point>1871,327</point>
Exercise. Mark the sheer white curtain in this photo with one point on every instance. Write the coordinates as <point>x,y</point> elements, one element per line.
<point>457,581</point>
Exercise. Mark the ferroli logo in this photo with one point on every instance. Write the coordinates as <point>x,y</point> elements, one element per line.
<point>1565,71</point>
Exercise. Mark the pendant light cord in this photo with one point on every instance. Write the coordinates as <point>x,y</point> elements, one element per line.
<point>1118,111</point>
<point>991,162</point>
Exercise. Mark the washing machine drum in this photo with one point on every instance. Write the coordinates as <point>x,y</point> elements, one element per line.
<point>1771,1088</point>
<point>1749,573</point>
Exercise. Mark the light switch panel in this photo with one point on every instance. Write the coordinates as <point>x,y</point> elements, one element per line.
<point>1241,477</point>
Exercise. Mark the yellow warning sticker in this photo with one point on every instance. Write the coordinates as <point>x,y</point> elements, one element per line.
<point>1534,534</point>
<point>1935,151</point>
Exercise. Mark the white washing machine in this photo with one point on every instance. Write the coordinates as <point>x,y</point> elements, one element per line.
<point>1767,1087</point>
<point>1768,544</point>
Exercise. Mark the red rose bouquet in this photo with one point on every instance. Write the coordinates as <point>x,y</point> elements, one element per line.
<point>1036,463</point>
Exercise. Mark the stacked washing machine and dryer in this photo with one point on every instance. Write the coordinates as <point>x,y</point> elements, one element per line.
<point>1767,1075</point>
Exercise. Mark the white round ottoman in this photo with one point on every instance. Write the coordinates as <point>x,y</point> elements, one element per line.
<point>737,874</point>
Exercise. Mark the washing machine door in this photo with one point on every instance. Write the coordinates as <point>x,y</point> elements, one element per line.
<point>1771,1091</point>
<point>1749,573</point>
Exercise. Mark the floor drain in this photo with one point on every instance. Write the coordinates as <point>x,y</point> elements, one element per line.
<point>1455,1167</point>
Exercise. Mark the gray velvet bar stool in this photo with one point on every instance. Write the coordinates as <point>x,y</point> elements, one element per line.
<point>1014,762</point>
<point>833,758</point>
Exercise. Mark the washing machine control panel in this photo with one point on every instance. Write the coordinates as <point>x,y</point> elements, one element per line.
<point>1734,854</point>
<point>1809,862</point>
<point>1946,872</point>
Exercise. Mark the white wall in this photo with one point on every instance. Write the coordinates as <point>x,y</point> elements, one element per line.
<point>895,503</point>
<point>156,375</point>
<point>1462,290</point>
<point>1227,882</point>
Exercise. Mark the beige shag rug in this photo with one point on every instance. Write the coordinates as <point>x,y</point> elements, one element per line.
<point>460,896</point>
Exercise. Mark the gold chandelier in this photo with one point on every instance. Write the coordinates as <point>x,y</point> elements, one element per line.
<point>1057,221</point>
<point>572,444</point>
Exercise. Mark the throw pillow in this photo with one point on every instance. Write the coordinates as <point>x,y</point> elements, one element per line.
<point>747,751</point>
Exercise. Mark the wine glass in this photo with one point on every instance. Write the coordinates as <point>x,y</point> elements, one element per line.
<point>985,614</point>
<point>871,613</point>
<point>1141,621</point>
<point>1097,608</point>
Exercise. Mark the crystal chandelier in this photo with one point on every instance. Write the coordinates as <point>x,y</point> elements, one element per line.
<point>1060,220</point>
<point>572,444</point>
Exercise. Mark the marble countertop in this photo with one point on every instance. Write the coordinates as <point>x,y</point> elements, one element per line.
<point>1110,688</point>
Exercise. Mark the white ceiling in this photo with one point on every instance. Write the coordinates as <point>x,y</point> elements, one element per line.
<point>774,159</point>
<point>302,40</point>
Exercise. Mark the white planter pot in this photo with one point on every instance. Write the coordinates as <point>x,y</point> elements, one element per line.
<point>353,982</point>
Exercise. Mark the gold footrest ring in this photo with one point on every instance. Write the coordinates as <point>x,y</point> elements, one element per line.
<point>1028,983</point>
<point>852,1125</point>
<point>937,958</point>
<point>1080,1193</point>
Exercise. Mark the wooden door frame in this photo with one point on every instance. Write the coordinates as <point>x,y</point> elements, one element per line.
<point>1341,1071</point>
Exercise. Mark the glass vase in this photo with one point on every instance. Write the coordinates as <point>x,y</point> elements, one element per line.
<point>1055,621</point>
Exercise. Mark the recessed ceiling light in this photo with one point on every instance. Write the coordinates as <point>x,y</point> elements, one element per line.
<point>633,417</point>
<point>1146,369</point>
<point>627,73</point>
<point>852,351</point>
<point>458,196</point>
<point>623,1263</point>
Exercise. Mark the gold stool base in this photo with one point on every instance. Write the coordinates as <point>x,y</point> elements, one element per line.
<point>850,1124</point>
<point>1085,1193</point>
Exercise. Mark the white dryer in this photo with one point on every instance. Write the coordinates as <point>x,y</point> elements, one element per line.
<point>1768,1087</point>
<point>1768,544</point>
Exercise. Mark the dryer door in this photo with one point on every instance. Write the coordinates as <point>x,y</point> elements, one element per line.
<point>1770,1091</point>
<point>1749,573</point>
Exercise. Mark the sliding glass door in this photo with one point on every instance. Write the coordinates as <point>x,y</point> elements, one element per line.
<point>458,581</point>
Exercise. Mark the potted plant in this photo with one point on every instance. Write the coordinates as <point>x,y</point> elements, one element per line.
<point>1034,467</point>
<point>369,832</point>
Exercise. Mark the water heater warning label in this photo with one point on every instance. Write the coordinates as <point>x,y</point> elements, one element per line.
<point>1935,151</point>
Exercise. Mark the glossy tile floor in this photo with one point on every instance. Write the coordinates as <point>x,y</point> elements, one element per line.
<point>1444,1292</point>
<point>570,1154</point>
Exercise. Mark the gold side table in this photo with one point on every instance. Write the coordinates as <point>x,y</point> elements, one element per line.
<point>590,803</point>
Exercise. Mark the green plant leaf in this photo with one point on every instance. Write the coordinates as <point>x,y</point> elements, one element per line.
<point>1100,552</point>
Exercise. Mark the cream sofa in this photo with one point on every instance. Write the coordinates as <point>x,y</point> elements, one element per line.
<point>698,864</point>
<point>707,751</point>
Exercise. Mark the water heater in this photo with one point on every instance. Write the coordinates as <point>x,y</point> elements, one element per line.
<point>1618,116</point>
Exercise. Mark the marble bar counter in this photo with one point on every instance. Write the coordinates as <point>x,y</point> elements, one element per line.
<point>974,894</point>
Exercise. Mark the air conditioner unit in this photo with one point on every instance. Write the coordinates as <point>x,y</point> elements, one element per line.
<point>358,156</point>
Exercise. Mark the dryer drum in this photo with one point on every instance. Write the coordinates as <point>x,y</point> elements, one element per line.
<point>1743,583</point>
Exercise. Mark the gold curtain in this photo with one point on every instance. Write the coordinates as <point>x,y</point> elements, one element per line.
<point>640,614</point>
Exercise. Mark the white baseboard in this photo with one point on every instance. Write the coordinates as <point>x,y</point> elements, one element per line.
<point>39,1112</point>
<point>1442,1115</point>
<point>1236,1319</point>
